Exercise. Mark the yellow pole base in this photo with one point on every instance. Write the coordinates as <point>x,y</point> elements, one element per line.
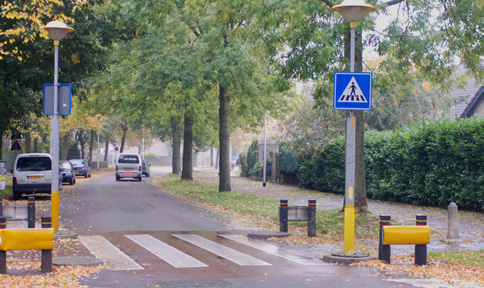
<point>349,230</point>
<point>54,210</point>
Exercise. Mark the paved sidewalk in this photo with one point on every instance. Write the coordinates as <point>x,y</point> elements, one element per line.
<point>471,224</point>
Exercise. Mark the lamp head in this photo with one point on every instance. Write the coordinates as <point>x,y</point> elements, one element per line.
<point>353,10</point>
<point>57,30</point>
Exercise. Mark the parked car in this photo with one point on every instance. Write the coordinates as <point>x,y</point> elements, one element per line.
<point>129,165</point>
<point>81,168</point>
<point>32,173</point>
<point>68,174</point>
<point>145,168</point>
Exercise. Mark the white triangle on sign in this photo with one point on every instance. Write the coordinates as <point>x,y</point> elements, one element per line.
<point>353,93</point>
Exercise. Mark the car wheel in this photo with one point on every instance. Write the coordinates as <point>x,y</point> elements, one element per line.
<point>16,196</point>
<point>117,178</point>
<point>148,175</point>
<point>140,178</point>
<point>72,181</point>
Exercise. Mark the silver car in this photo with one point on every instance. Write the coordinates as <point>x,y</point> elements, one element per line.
<point>129,165</point>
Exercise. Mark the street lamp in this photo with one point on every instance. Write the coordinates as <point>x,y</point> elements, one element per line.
<point>352,11</point>
<point>56,30</point>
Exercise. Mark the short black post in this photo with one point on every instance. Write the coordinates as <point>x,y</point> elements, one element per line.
<point>46,257</point>
<point>3,254</point>
<point>384,251</point>
<point>1,206</point>
<point>31,212</point>
<point>283,216</point>
<point>421,249</point>
<point>312,218</point>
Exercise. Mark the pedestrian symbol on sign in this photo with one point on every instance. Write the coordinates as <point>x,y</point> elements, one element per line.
<point>353,93</point>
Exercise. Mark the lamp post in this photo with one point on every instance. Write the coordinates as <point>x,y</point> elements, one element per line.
<point>56,30</point>
<point>352,11</point>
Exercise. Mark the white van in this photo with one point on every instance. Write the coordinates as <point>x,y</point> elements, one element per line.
<point>32,173</point>
<point>129,165</point>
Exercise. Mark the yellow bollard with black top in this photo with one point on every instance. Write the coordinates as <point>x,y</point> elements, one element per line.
<point>406,235</point>
<point>27,239</point>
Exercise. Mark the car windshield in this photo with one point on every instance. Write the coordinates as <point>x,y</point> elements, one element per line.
<point>77,162</point>
<point>65,165</point>
<point>34,164</point>
<point>131,159</point>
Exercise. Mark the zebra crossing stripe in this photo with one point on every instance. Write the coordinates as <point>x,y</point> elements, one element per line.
<point>171,255</point>
<point>272,249</point>
<point>221,250</point>
<point>112,257</point>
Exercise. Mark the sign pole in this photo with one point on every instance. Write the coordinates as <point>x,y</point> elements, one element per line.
<point>55,146</point>
<point>349,233</point>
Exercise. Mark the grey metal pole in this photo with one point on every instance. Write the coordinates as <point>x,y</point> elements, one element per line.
<point>55,145</point>
<point>98,152</point>
<point>349,234</point>
<point>265,152</point>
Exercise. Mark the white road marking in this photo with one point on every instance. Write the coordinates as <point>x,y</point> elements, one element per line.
<point>171,255</point>
<point>221,250</point>
<point>112,257</point>
<point>272,249</point>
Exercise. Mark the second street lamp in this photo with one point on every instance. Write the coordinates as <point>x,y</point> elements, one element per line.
<point>56,30</point>
<point>352,11</point>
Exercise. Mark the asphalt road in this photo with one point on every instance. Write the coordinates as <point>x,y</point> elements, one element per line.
<point>141,222</point>
<point>103,204</point>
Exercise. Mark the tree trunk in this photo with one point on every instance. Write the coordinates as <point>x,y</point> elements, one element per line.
<point>1,144</point>
<point>187,148</point>
<point>36,145</point>
<point>28,142</point>
<point>360,174</point>
<point>224,138</point>
<point>124,127</point>
<point>91,147</point>
<point>65,146</point>
<point>106,148</point>
<point>82,142</point>
<point>175,160</point>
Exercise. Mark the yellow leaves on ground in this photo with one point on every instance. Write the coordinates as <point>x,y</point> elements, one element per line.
<point>455,274</point>
<point>28,265</point>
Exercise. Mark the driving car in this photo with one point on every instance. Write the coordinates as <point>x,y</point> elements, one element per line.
<point>32,173</point>
<point>145,168</point>
<point>68,174</point>
<point>129,165</point>
<point>81,168</point>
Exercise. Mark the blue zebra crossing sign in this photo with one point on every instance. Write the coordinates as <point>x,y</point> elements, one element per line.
<point>352,91</point>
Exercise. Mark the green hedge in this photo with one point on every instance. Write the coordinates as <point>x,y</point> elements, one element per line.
<point>432,164</point>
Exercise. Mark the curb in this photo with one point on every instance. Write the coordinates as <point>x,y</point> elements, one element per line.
<point>76,261</point>
<point>266,234</point>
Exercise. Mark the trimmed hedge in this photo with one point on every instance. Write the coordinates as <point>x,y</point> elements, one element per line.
<point>433,164</point>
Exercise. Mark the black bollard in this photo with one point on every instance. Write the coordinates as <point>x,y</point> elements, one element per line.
<point>283,216</point>
<point>421,249</point>
<point>3,254</point>
<point>384,251</point>
<point>46,261</point>
<point>312,218</point>
<point>1,206</point>
<point>31,212</point>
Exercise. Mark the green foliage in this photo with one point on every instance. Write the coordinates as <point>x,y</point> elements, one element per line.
<point>433,164</point>
<point>243,163</point>
<point>288,160</point>
<point>252,155</point>
<point>258,169</point>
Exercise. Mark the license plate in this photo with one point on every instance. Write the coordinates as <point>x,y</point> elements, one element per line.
<point>34,177</point>
<point>78,172</point>
<point>128,169</point>
<point>128,173</point>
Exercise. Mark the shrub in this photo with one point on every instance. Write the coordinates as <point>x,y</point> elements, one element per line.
<point>434,164</point>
